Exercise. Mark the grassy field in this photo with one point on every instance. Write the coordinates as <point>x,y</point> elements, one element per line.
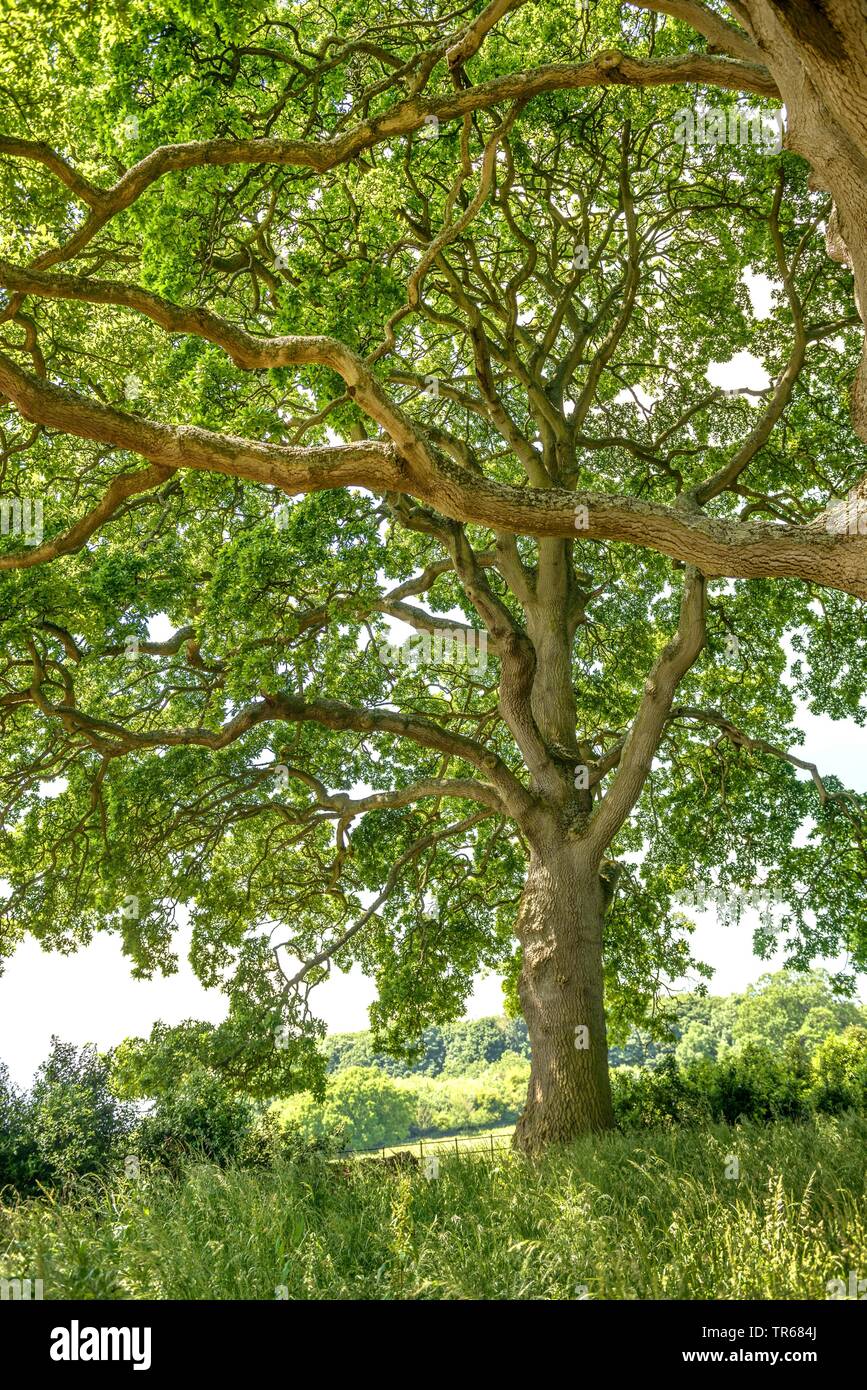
<point>466,1143</point>
<point>650,1216</point>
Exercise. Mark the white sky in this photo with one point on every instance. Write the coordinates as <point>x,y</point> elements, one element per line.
<point>91,997</point>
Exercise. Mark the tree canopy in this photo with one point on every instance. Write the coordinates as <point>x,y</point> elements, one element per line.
<point>319,318</point>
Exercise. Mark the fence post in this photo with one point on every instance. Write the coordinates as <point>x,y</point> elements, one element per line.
<point>492,1146</point>
<point>457,1151</point>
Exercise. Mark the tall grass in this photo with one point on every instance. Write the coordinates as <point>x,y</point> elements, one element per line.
<point>625,1216</point>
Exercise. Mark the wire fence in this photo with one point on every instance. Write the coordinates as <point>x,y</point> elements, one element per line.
<point>483,1143</point>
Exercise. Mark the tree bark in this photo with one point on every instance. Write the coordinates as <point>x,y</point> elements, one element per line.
<point>561,990</point>
<point>817,55</point>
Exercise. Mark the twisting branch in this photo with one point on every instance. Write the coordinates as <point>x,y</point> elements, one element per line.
<point>643,738</point>
<point>114,740</point>
<point>731,549</point>
<point>705,21</point>
<point>464,788</point>
<point>423,843</point>
<point>751,744</point>
<point>475,34</point>
<point>609,68</point>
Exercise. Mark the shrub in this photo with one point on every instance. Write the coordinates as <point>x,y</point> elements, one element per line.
<point>73,1121</point>
<point>839,1069</point>
<point>69,1124</point>
<point>268,1141</point>
<point>20,1163</point>
<point>754,1083</point>
<point>362,1106</point>
<point>652,1097</point>
<point>200,1118</point>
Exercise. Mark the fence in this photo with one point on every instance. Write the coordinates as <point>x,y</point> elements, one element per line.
<point>479,1142</point>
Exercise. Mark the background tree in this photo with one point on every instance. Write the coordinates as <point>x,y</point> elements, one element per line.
<point>363,1109</point>
<point>780,1006</point>
<point>705,1025</point>
<point>320,319</point>
<point>70,1124</point>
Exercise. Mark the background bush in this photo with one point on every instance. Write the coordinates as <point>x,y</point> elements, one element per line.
<point>201,1118</point>
<point>839,1072</point>
<point>20,1163</point>
<point>69,1125</point>
<point>363,1109</point>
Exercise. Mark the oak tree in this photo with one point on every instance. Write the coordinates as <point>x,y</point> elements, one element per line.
<point>320,318</point>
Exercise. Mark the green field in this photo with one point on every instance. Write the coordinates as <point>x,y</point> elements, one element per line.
<point>623,1216</point>
<point>448,1145</point>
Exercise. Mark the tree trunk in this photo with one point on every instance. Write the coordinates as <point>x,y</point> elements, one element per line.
<point>817,55</point>
<point>561,989</point>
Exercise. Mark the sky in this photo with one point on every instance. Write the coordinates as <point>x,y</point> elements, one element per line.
<point>90,997</point>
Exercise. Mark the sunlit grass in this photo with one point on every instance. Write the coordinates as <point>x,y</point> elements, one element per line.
<point>623,1217</point>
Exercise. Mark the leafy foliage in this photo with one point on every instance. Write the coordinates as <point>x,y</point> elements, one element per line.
<point>68,1126</point>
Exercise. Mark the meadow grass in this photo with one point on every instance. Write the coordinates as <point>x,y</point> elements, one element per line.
<point>624,1216</point>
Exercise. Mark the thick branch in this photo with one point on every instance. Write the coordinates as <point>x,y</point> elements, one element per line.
<point>719,548</point>
<point>115,739</point>
<point>643,738</point>
<point>474,36</point>
<point>609,68</point>
<point>462,788</point>
<point>704,21</point>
